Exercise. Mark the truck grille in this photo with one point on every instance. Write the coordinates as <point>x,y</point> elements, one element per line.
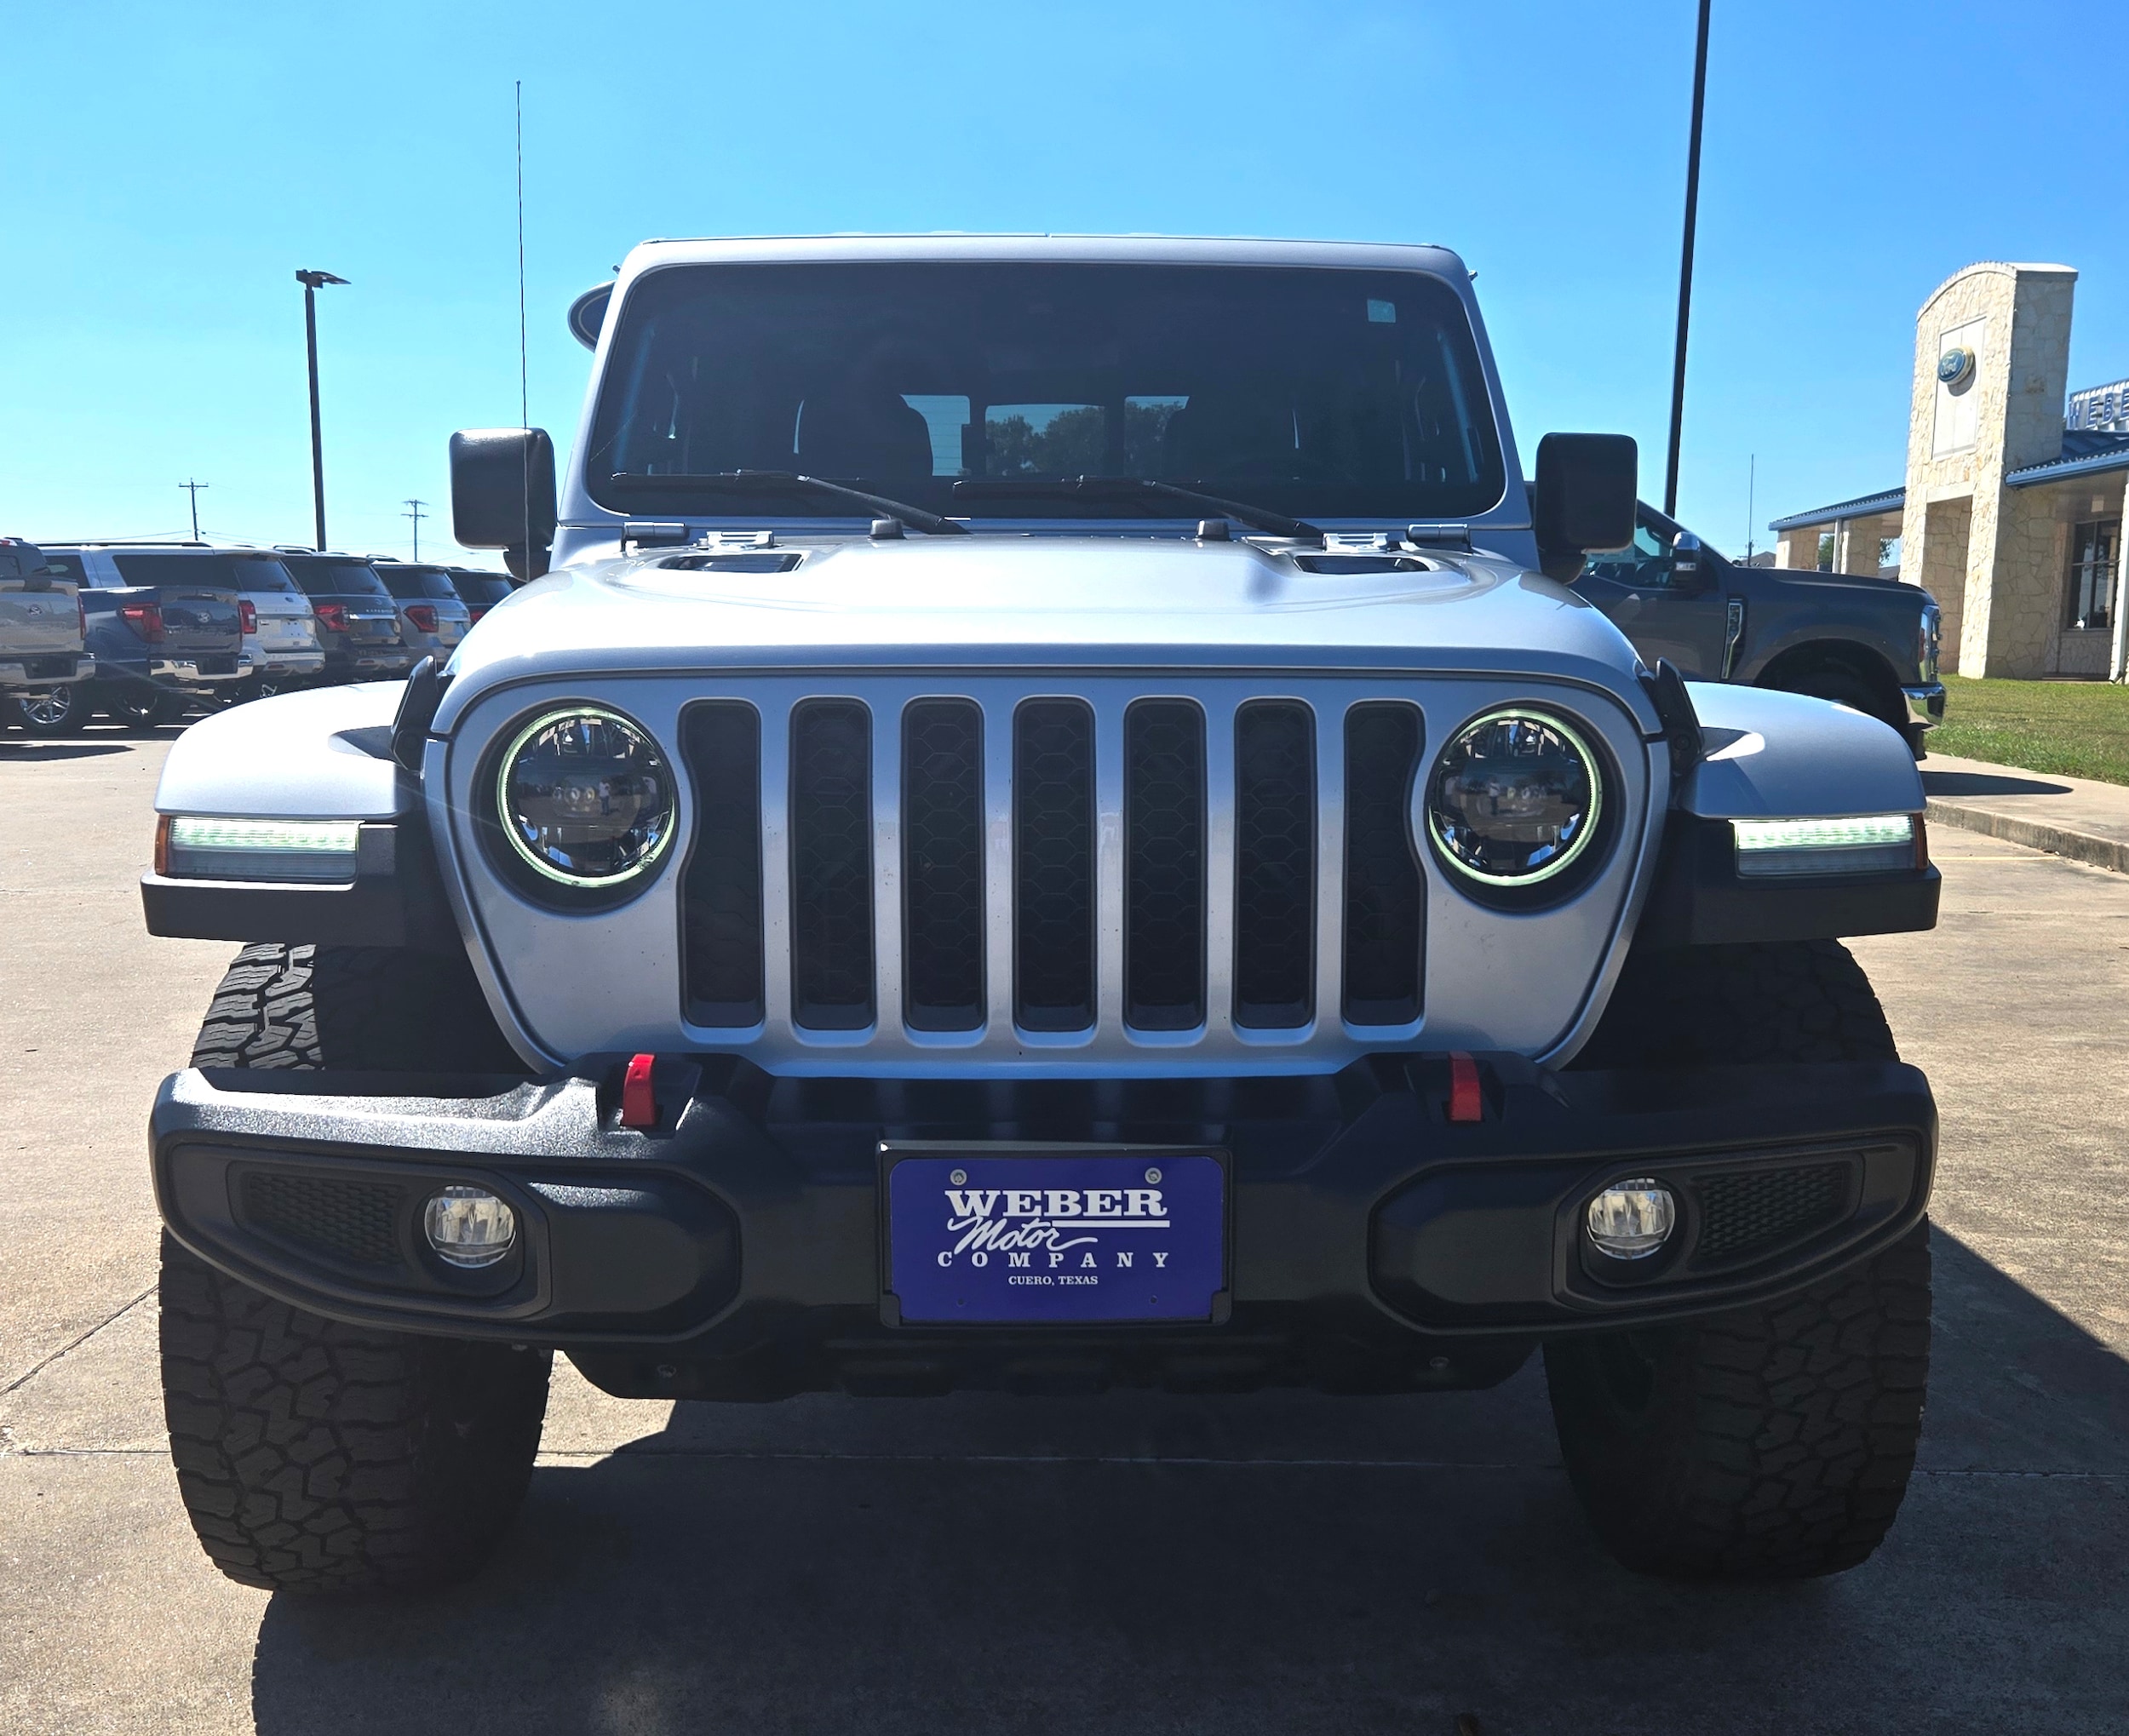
<point>931,864</point>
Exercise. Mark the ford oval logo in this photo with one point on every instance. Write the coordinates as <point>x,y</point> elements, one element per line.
<point>1954,365</point>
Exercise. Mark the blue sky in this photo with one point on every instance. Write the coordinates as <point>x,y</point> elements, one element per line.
<point>174,166</point>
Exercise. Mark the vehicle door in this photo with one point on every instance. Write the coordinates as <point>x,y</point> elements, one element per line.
<point>1668,608</point>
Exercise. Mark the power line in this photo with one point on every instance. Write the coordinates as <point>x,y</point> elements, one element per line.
<point>417,515</point>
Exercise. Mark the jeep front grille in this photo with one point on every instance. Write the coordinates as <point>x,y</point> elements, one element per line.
<point>989,866</point>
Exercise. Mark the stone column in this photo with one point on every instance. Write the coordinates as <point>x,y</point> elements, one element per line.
<point>1797,549</point>
<point>2002,411</point>
<point>1856,546</point>
<point>1933,555</point>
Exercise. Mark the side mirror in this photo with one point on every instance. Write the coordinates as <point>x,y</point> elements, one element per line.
<point>1586,498</point>
<point>1688,571</point>
<point>503,495</point>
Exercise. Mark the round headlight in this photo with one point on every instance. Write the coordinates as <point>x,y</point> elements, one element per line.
<point>1514,799</point>
<point>585,797</point>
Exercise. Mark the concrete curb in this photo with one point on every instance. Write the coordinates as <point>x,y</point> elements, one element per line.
<point>2035,834</point>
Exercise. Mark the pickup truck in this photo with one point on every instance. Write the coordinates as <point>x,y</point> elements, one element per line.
<point>40,629</point>
<point>1870,645</point>
<point>156,645</point>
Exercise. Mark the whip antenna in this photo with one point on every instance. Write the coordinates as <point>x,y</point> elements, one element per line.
<point>524,401</point>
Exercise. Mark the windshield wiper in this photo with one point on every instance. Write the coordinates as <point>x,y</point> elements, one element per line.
<point>1129,487</point>
<point>740,482</point>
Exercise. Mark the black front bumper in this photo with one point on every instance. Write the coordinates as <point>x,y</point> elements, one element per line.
<point>736,1251</point>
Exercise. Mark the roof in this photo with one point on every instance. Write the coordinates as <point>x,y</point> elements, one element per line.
<point>2086,452</point>
<point>1890,499</point>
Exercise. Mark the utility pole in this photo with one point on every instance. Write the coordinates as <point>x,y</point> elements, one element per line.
<point>1686,266</point>
<point>417,515</point>
<point>193,488</point>
<point>313,282</point>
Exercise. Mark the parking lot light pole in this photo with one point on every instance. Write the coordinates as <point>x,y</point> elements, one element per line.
<point>313,282</point>
<point>1685,265</point>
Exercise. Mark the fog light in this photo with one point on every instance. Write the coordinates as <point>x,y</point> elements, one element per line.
<point>1631,1220</point>
<point>470,1227</point>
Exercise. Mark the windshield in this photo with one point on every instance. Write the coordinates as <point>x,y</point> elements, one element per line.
<point>412,584</point>
<point>1325,393</point>
<point>335,578</point>
<point>236,572</point>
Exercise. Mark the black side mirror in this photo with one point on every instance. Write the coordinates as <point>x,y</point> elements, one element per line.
<point>503,495</point>
<point>1586,498</point>
<point>1688,568</point>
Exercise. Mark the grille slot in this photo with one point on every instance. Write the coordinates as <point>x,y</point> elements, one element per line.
<point>1383,916</point>
<point>355,1221</point>
<point>1164,852</point>
<point>1054,865</point>
<point>1275,865</point>
<point>943,865</point>
<point>1748,1214</point>
<point>720,953</point>
<point>831,865</point>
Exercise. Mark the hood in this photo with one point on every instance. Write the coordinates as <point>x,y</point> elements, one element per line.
<point>992,601</point>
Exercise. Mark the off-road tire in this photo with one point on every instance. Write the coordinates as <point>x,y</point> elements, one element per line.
<point>1772,1442</point>
<point>314,1456</point>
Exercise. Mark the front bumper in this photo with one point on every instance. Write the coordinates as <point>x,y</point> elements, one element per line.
<point>1925,706</point>
<point>735,1250</point>
<point>59,669</point>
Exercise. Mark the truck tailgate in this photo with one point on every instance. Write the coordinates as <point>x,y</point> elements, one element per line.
<point>35,623</point>
<point>198,618</point>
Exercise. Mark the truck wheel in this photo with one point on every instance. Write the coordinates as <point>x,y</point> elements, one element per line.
<point>311,1455</point>
<point>142,709</point>
<point>50,711</point>
<point>1772,1442</point>
<point>1844,687</point>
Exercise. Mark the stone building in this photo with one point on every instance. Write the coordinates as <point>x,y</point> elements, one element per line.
<point>2011,514</point>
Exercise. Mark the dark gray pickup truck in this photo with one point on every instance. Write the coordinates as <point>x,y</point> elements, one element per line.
<point>1867,644</point>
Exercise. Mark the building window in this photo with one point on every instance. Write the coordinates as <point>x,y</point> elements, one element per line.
<point>2090,602</point>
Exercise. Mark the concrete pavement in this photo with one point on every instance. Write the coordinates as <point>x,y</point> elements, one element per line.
<point>2074,817</point>
<point>1281,1562</point>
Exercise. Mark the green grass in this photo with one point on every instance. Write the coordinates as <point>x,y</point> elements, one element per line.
<point>2079,729</point>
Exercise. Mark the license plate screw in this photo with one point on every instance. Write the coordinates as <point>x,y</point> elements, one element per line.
<point>959,1177</point>
<point>1152,1175</point>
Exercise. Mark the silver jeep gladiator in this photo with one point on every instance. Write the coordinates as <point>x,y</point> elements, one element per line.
<point>1045,818</point>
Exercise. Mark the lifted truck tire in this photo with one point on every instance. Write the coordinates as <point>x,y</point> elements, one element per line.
<point>313,1456</point>
<point>1773,1442</point>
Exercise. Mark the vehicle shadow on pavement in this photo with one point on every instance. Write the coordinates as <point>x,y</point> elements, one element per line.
<point>1987,784</point>
<point>28,752</point>
<point>1278,1562</point>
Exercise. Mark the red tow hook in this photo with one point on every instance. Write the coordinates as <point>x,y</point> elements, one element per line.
<point>639,1108</point>
<point>1465,1101</point>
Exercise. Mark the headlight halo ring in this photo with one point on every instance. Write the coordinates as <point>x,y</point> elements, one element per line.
<point>545,878</point>
<point>1551,880</point>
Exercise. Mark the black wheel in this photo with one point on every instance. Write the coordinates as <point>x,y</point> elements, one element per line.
<point>50,711</point>
<point>311,1455</point>
<point>1772,1442</point>
<point>142,708</point>
<point>1842,686</point>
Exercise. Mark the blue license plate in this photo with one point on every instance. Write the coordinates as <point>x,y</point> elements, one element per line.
<point>1009,1238</point>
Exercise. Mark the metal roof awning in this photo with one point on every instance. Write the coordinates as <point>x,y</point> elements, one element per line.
<point>1893,500</point>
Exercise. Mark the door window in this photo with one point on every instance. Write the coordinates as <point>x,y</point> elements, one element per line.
<point>2090,602</point>
<point>1644,563</point>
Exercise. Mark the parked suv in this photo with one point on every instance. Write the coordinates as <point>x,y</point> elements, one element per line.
<point>432,616</point>
<point>1867,644</point>
<point>358,621</point>
<point>1118,861</point>
<point>479,590</point>
<point>165,629</point>
<point>41,630</point>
